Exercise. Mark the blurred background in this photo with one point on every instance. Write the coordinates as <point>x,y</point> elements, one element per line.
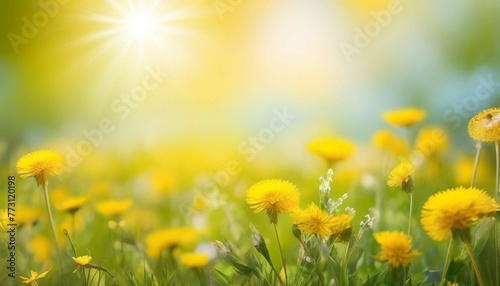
<point>147,96</point>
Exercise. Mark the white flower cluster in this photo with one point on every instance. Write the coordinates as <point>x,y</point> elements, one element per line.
<point>324,187</point>
<point>333,207</point>
<point>368,221</point>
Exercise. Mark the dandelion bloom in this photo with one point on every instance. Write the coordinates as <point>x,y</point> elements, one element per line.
<point>113,208</point>
<point>404,117</point>
<point>72,204</point>
<point>274,197</point>
<point>194,260</point>
<point>396,248</point>
<point>34,276</point>
<point>388,141</point>
<point>455,210</point>
<point>400,176</point>
<point>314,221</point>
<point>169,238</point>
<point>340,224</point>
<point>332,149</point>
<point>82,261</point>
<point>485,126</point>
<point>40,165</point>
<point>431,141</point>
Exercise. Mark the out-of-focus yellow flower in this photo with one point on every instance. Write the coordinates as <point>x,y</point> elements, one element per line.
<point>274,197</point>
<point>454,210</point>
<point>388,141</point>
<point>452,284</point>
<point>396,248</point>
<point>485,126</point>
<point>332,149</point>
<point>169,238</point>
<point>194,260</point>
<point>82,261</point>
<point>101,189</point>
<point>404,117</point>
<point>463,168</point>
<point>164,182</point>
<point>59,194</point>
<point>400,176</point>
<point>340,224</point>
<point>27,215</point>
<point>40,246</point>
<point>4,219</point>
<point>141,219</point>
<point>40,165</point>
<point>314,221</point>
<point>34,276</point>
<point>72,204</point>
<point>432,141</point>
<point>200,203</point>
<point>113,208</point>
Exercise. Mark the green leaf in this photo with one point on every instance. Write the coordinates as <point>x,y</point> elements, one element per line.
<point>220,277</point>
<point>259,243</point>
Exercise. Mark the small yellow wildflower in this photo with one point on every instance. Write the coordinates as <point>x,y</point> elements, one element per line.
<point>340,224</point>
<point>400,176</point>
<point>34,276</point>
<point>40,165</point>
<point>169,238</point>
<point>314,221</point>
<point>82,261</point>
<point>432,141</point>
<point>405,117</point>
<point>72,205</point>
<point>41,248</point>
<point>388,141</point>
<point>194,260</point>
<point>200,203</point>
<point>454,210</point>
<point>396,248</point>
<point>332,149</point>
<point>485,126</point>
<point>274,197</point>
<point>113,208</point>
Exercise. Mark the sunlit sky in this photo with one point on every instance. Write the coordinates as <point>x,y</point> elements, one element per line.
<point>223,68</point>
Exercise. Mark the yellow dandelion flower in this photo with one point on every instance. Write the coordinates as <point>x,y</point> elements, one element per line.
<point>72,204</point>
<point>274,197</point>
<point>404,117</point>
<point>113,208</point>
<point>40,165</point>
<point>455,210</point>
<point>340,224</point>
<point>332,149</point>
<point>27,215</point>
<point>431,141</point>
<point>4,219</point>
<point>82,261</point>
<point>34,276</point>
<point>396,248</point>
<point>388,141</point>
<point>400,176</point>
<point>314,221</point>
<point>164,182</point>
<point>485,126</point>
<point>169,238</point>
<point>194,260</point>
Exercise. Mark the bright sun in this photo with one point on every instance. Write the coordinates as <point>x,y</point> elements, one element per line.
<point>140,25</point>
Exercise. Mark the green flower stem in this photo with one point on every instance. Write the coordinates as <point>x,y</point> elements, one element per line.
<point>343,268</point>
<point>497,183</point>
<point>474,264</point>
<point>47,204</point>
<point>476,163</point>
<point>409,216</point>
<point>281,252</point>
<point>446,262</point>
<point>316,264</point>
